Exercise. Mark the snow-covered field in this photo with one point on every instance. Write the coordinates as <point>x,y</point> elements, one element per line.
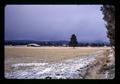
<point>74,68</point>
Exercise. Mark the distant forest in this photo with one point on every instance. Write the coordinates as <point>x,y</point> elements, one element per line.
<point>55,43</point>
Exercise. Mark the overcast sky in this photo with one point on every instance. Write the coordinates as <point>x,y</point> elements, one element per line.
<point>54,22</point>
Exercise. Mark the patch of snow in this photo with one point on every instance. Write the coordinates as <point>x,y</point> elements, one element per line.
<point>106,74</point>
<point>29,64</point>
<point>67,69</point>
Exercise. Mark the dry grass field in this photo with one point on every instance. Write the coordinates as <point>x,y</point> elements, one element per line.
<point>23,54</point>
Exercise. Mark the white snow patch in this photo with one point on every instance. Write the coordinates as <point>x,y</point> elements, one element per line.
<point>66,69</point>
<point>29,64</point>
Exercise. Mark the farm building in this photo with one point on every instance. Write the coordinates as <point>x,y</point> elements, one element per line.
<point>33,44</point>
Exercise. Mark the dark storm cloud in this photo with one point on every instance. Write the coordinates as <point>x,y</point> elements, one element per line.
<point>54,22</point>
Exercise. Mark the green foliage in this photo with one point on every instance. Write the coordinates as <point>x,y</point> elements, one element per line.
<point>109,16</point>
<point>73,41</point>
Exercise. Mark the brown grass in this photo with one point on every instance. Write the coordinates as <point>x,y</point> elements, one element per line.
<point>44,54</point>
<point>96,71</point>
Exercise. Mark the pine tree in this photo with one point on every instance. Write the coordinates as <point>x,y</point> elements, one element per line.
<point>109,16</point>
<point>73,41</point>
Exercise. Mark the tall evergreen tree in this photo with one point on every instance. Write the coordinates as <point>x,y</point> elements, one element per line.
<point>109,16</point>
<point>73,41</point>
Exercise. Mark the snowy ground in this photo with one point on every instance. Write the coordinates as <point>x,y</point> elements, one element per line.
<point>69,69</point>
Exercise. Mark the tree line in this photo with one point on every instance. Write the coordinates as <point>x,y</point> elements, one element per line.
<point>58,43</point>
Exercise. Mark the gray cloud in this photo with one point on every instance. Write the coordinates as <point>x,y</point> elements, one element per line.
<point>54,22</point>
